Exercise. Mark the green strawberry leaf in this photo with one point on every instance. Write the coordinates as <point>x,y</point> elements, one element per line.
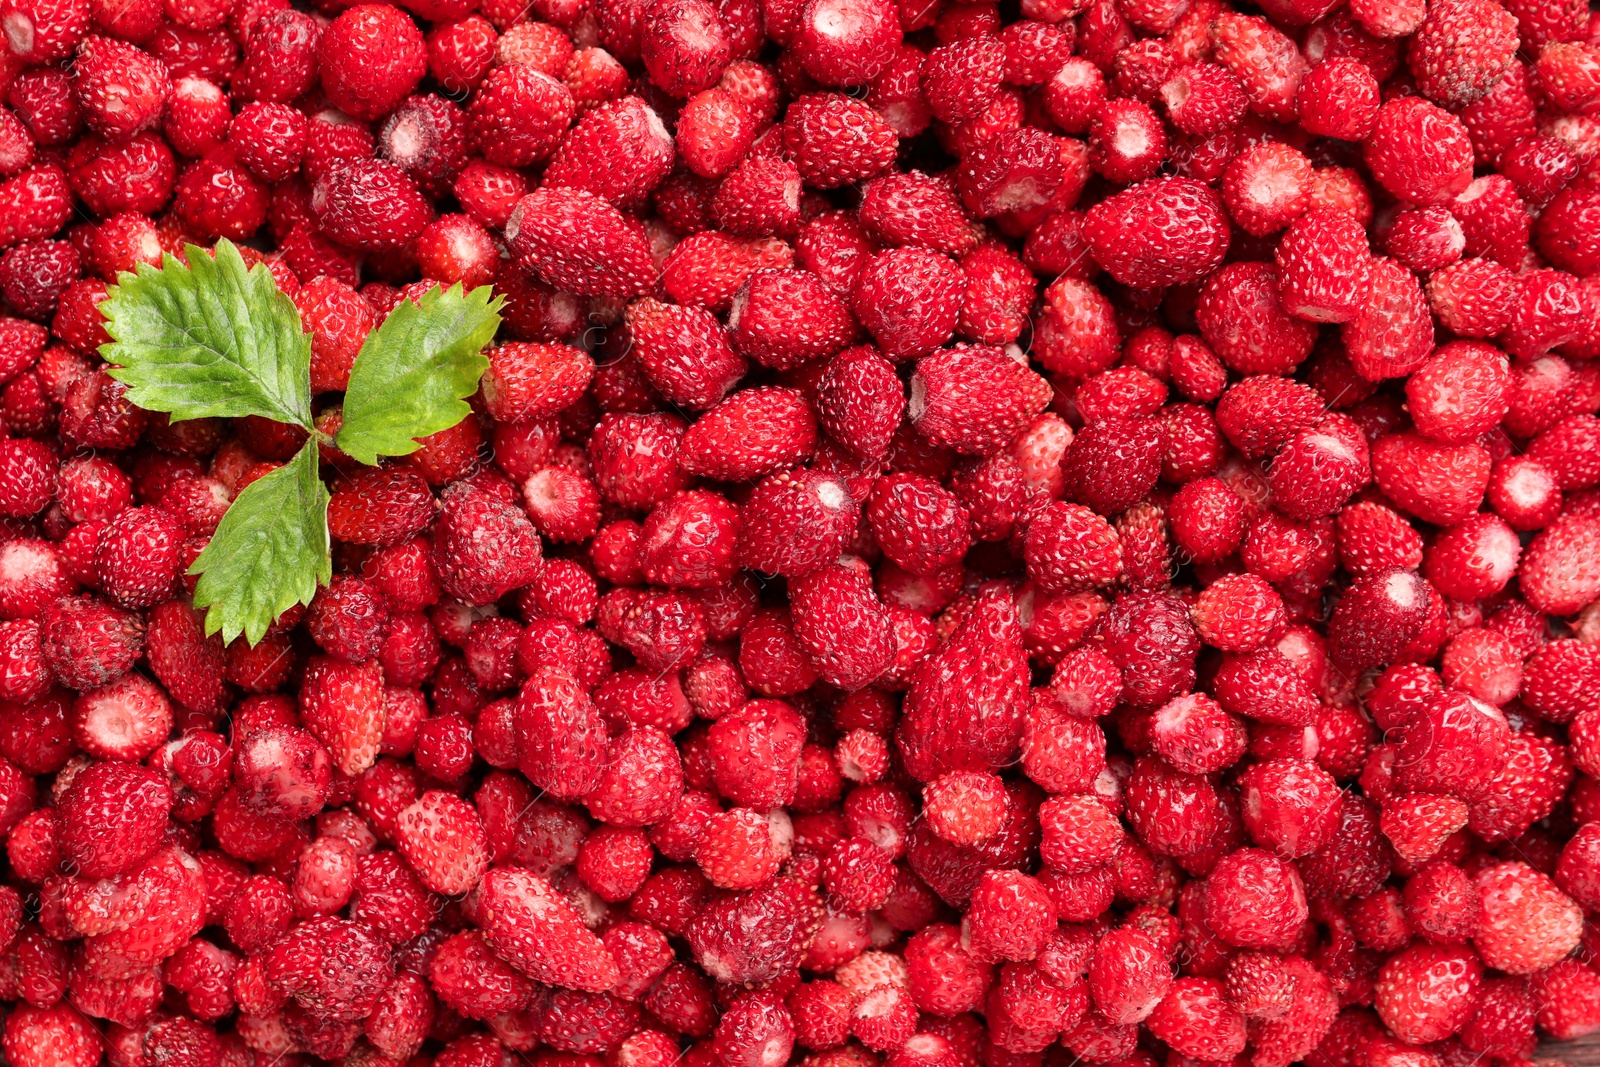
<point>270,551</point>
<point>210,338</point>
<point>414,372</point>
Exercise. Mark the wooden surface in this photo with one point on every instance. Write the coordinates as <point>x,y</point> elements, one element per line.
<point>1585,1052</point>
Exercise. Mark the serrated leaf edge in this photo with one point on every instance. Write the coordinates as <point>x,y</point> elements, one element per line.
<point>298,589</point>
<point>486,299</point>
<point>138,394</point>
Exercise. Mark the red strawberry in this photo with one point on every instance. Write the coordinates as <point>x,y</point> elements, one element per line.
<point>1168,231</point>
<point>186,662</point>
<point>1241,318</point>
<point>684,351</point>
<point>1461,49</point>
<point>1526,788</point>
<point>576,241</point>
<point>915,209</point>
<point>965,706</point>
<point>333,968</point>
<point>759,198</point>
<point>756,936</point>
<point>518,116</point>
<point>88,643</point>
<point>707,269</point>
<point>620,151</point>
<point>751,434</point>
<point>784,318</point>
<point>532,927</point>
<point>1560,571</point>
<point>860,401</point>
<point>370,58</point>
<point>842,626</point>
<point>974,398</point>
<point>563,738</point>
<point>796,522</point>
<point>443,840</point>
<point>380,506</point>
<point>909,300</point>
<point>120,89</point>
<point>343,705</point>
<point>370,205</point>
<point>836,140</point>
<point>1419,152</point>
<point>113,816</point>
<point>1437,483</point>
<point>483,547</point>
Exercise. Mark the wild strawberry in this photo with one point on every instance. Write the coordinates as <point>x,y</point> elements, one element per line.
<point>1527,923</point>
<point>1388,609</point>
<point>964,710</point>
<point>371,57</point>
<point>626,130</point>
<point>755,936</point>
<point>1068,548</point>
<point>909,299</point>
<point>635,459</point>
<point>1169,231</point>
<point>715,129</point>
<point>578,242</point>
<point>1428,991</point>
<point>1253,899</point>
<point>1203,98</point>
<point>342,704</point>
<point>707,269</point>
<point>482,546</point>
<point>795,522</point>
<point>534,381</point>
<point>749,435</point>
<point>918,524</point>
<point>1419,152</point>
<point>383,506</point>
<point>859,402</point>
<point>88,643</point>
<point>973,398</point>
<point>370,205</point>
<point>1555,573</point>
<point>1195,1018</point>
<point>1534,773</point>
<point>334,968</point>
<point>1566,999</point>
<point>1425,239</point>
<point>846,43</point>
<point>1266,62</point>
<point>1460,51</point>
<point>914,209</point>
<point>782,318</point>
<point>120,89</point>
<point>1437,483</point>
<point>684,351</point>
<point>35,1037</point>
<point>27,466</point>
<point>690,541</point>
<point>836,140</point>
<point>1242,320</point>
<point>684,46</point>
<point>442,839</point>
<point>1546,313</point>
<point>1010,916</point>
<point>760,198</point>
<point>113,816</point>
<point>840,623</point>
<point>1338,97</point>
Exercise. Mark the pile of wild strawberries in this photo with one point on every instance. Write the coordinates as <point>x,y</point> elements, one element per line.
<point>993,536</point>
